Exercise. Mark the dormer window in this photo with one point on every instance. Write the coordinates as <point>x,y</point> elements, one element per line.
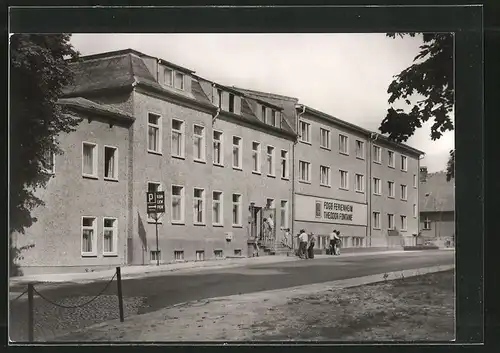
<point>273,117</point>
<point>264,114</point>
<point>168,76</point>
<point>219,95</point>
<point>231,103</point>
<point>173,78</point>
<point>179,80</point>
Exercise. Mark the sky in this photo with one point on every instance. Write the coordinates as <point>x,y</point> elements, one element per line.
<point>344,75</point>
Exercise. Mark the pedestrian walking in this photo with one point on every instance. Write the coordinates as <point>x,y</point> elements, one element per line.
<point>331,236</point>
<point>337,243</point>
<point>303,238</point>
<point>310,249</point>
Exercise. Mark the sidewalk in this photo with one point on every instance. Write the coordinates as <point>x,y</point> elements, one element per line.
<point>140,271</point>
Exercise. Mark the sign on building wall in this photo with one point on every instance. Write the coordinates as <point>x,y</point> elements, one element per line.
<point>319,209</point>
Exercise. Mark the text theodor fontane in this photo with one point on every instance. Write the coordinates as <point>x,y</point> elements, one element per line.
<point>334,210</point>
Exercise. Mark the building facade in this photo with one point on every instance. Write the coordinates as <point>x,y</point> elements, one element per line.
<point>437,209</point>
<point>228,159</point>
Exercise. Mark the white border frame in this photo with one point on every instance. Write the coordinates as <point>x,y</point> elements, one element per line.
<point>362,190</point>
<point>374,188</point>
<point>329,176</point>
<point>329,147</point>
<point>363,150</point>
<point>308,172</point>
<point>346,153</point>
<point>393,196</point>
<point>302,121</point>
<point>401,156</point>
<point>405,223</point>
<point>240,153</point>
<point>389,160</point>
<point>379,220</point>
<point>405,198</point>
<point>240,213</point>
<point>273,161</point>
<point>340,179</point>
<point>287,162</point>
<point>379,161</point>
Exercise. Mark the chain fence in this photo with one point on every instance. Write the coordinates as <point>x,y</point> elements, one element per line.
<point>45,324</point>
<point>79,305</point>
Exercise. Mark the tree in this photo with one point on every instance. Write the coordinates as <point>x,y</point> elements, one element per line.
<point>39,71</point>
<point>429,83</point>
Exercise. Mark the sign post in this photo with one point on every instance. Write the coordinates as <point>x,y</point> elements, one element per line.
<point>156,206</point>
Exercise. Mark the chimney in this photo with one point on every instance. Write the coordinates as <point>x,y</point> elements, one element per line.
<point>423,174</point>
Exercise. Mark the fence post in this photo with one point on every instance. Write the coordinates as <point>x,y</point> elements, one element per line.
<point>30,313</point>
<point>120,296</point>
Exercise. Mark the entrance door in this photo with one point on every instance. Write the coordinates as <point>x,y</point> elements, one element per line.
<point>269,227</point>
<point>256,224</point>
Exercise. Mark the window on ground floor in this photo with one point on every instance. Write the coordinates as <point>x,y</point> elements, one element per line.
<point>110,236</point>
<point>179,255</point>
<point>427,224</point>
<point>357,242</point>
<point>237,252</point>
<point>219,254</point>
<point>200,255</point>
<point>155,255</point>
<point>89,230</point>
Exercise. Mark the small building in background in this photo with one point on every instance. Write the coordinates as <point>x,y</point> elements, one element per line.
<point>437,209</point>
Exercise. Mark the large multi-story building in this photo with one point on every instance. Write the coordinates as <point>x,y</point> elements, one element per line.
<point>226,158</point>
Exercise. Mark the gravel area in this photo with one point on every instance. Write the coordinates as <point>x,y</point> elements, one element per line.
<point>51,321</point>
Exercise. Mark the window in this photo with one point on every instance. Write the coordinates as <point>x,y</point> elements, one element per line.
<point>199,206</point>
<point>219,254</point>
<point>390,154</point>
<point>154,187</point>
<point>219,97</point>
<point>390,220</point>
<point>177,138</point>
<point>284,164</point>
<point>154,133</point>
<point>343,144</point>
<point>404,163</point>
<point>305,131</point>
<point>376,220</point>
<point>360,149</point>
<point>344,180</point>
<point>360,183</point>
<point>199,143</point>
<point>324,175</point>
<point>304,171</point>
<point>264,117</point>
<point>236,210</point>
<point>237,163</point>
<point>177,204</point>
<point>273,117</point>
<point>218,149</point>
<point>154,256</point>
<point>237,252</point>
<point>231,103</point>
<point>256,157</point>
<point>110,162</point>
<point>404,195</point>
<point>324,138</point>
<point>403,223</point>
<point>168,77</point>
<point>390,185</point>
<point>415,181</point>
<point>427,224</point>
<point>89,230</point>
<point>179,80</point>
<point>179,255</point>
<point>217,210</point>
<point>200,255</point>
<point>270,161</point>
<point>377,154</point>
<point>89,157</point>
<point>284,214</point>
<point>377,186</point>
<point>110,236</point>
<point>414,211</point>
<point>270,204</point>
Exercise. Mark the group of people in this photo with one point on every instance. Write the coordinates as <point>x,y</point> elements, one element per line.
<point>308,240</point>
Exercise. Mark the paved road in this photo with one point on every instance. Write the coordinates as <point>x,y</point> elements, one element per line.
<point>152,293</point>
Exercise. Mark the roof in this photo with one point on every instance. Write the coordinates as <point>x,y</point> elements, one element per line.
<point>122,70</point>
<point>83,104</point>
<point>437,194</point>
